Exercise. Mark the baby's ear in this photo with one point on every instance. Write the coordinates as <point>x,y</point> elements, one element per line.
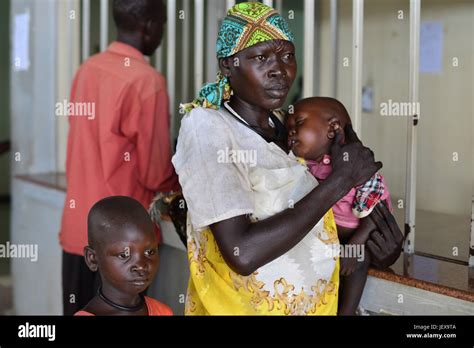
<point>333,126</point>
<point>91,258</point>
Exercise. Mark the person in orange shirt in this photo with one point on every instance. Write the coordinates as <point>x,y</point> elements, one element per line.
<point>123,250</point>
<point>118,142</point>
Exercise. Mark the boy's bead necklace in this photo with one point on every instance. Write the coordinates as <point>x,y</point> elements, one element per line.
<point>120,307</point>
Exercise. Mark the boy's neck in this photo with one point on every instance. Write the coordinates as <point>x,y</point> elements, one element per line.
<point>123,299</point>
<point>98,307</point>
<point>131,39</point>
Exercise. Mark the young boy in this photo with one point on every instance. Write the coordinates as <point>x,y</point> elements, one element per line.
<point>123,147</point>
<point>123,249</point>
<point>312,127</point>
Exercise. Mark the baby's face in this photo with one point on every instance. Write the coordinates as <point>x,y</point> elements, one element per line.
<point>128,260</point>
<point>308,132</point>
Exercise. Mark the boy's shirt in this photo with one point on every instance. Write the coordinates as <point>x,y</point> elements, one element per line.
<point>123,146</point>
<point>155,308</point>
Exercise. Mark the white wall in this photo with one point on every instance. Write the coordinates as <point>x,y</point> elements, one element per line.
<point>33,92</point>
<point>36,218</point>
<point>4,94</point>
<point>67,53</point>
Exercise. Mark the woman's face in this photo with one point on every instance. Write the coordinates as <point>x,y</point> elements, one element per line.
<point>262,74</point>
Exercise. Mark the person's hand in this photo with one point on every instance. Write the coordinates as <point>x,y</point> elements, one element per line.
<point>353,161</point>
<point>177,209</point>
<point>349,265</point>
<point>357,242</point>
<point>385,244</point>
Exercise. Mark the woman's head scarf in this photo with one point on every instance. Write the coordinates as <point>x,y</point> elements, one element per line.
<point>245,25</point>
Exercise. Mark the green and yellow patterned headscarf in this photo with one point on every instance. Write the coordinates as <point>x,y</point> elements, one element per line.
<point>245,25</point>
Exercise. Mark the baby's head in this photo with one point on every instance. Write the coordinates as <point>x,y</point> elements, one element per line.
<point>311,127</point>
<point>122,245</point>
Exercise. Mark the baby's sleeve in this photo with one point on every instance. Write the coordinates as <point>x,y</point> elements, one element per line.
<point>214,188</point>
<point>369,195</point>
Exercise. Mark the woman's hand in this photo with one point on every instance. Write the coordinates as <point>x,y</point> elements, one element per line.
<point>385,244</point>
<point>353,161</point>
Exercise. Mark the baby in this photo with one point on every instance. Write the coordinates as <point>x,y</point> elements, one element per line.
<point>311,129</point>
<point>124,250</point>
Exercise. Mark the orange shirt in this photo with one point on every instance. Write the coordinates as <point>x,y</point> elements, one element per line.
<point>118,141</point>
<point>154,308</point>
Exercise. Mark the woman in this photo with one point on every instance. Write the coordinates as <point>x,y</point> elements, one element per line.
<point>261,234</point>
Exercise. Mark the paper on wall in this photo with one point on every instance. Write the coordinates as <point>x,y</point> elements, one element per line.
<point>431,47</point>
<point>21,39</point>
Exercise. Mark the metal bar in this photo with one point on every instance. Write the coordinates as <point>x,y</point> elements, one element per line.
<point>357,56</point>
<point>69,44</point>
<point>471,243</point>
<point>279,6</point>
<point>410,209</point>
<point>334,47</point>
<point>308,48</point>
<point>229,4</point>
<point>198,45</point>
<point>159,58</point>
<point>86,22</point>
<point>186,51</point>
<point>214,13</point>
<point>104,24</point>
<point>268,2</point>
<point>171,62</point>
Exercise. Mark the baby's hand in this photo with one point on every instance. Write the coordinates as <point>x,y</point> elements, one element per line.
<point>356,244</point>
<point>349,265</point>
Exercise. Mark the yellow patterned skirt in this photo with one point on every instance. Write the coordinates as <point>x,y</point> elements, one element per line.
<point>214,289</point>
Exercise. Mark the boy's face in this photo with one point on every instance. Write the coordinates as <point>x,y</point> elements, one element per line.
<point>128,259</point>
<point>308,132</point>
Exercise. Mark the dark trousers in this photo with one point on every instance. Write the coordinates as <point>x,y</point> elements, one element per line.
<point>80,284</point>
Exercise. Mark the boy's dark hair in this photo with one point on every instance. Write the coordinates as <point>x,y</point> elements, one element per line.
<point>129,14</point>
<point>112,213</point>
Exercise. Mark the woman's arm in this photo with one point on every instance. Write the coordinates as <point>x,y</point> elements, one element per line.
<point>247,246</point>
